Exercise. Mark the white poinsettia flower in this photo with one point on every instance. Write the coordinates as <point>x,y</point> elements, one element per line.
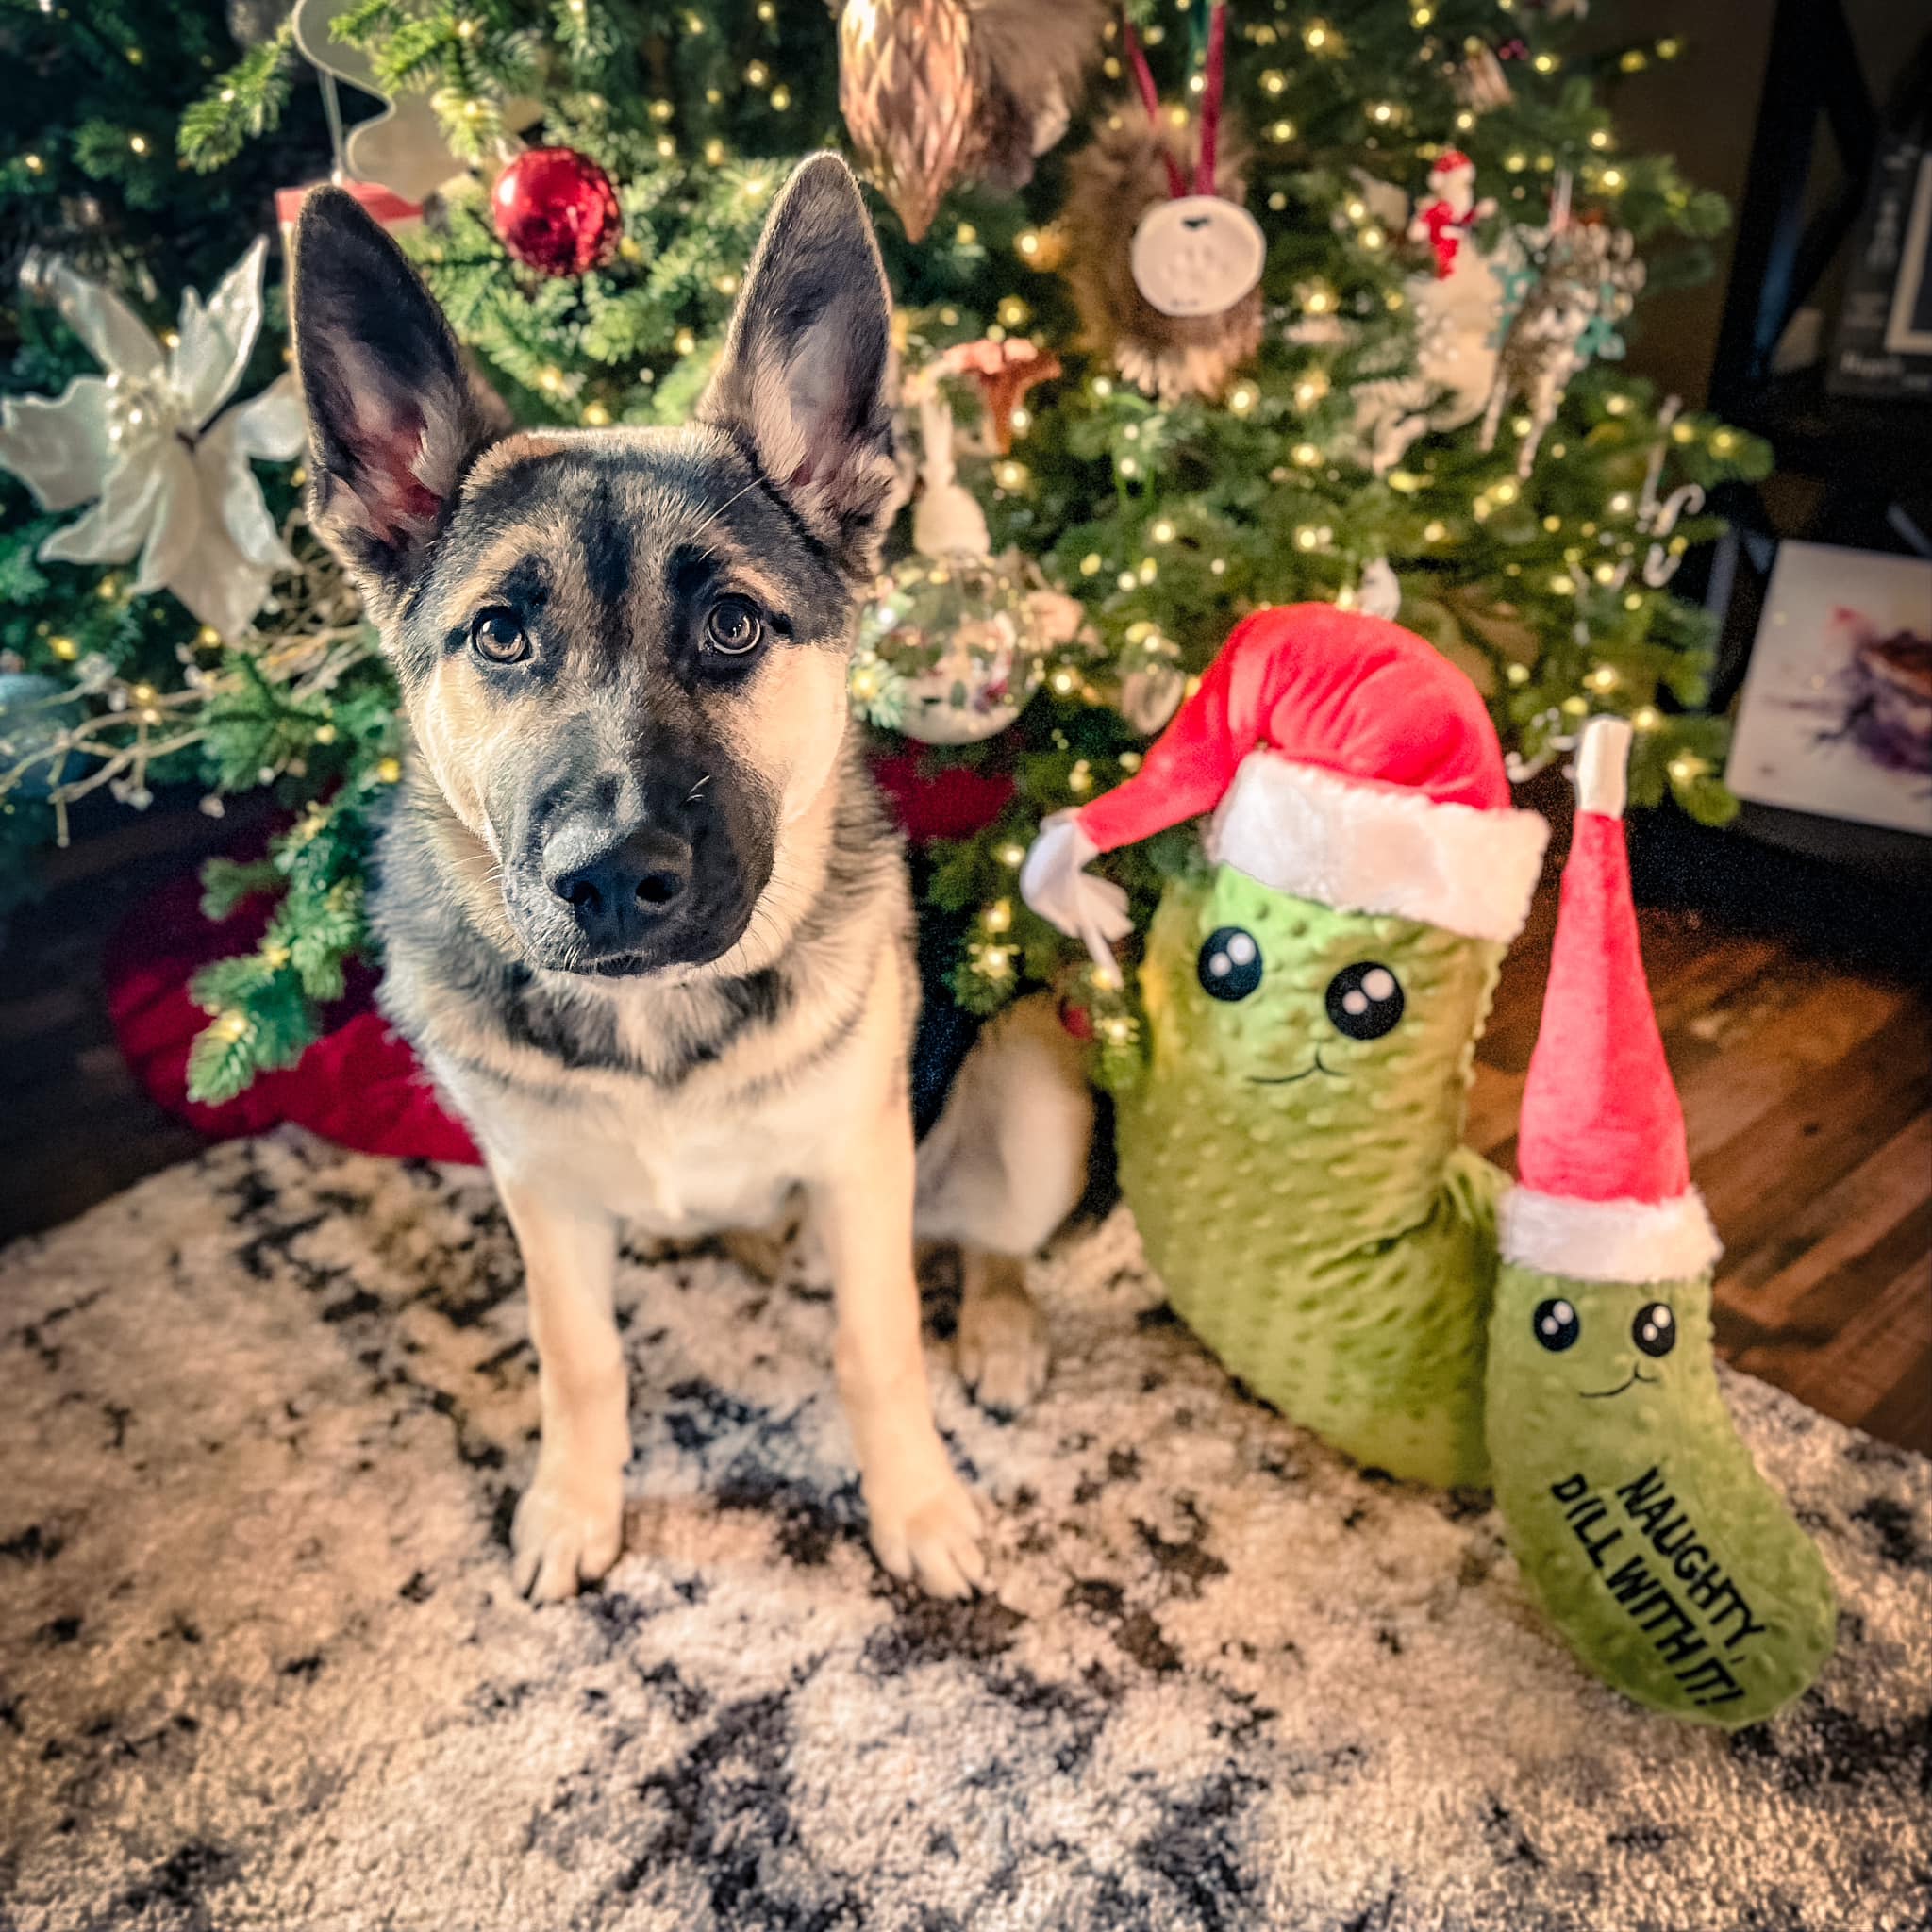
<point>169,482</point>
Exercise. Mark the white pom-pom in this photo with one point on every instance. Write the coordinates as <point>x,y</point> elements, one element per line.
<point>1379,594</point>
<point>1602,755</point>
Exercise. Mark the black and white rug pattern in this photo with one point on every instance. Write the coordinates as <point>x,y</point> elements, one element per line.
<point>263,1420</point>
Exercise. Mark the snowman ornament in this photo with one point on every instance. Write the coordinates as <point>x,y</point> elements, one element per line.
<point>1456,306</point>
<point>1452,210</point>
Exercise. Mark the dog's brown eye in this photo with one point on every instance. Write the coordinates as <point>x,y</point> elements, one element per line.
<point>496,634</point>
<point>733,627</point>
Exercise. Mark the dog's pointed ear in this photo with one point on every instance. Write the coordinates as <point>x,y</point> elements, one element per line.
<point>803,385</point>
<point>394,418</point>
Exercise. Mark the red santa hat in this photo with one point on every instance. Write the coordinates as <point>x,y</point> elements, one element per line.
<point>1450,163</point>
<point>1344,759</point>
<point>1605,1191</point>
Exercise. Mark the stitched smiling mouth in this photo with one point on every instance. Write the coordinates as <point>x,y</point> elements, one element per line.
<point>1289,1079</point>
<point>1604,1395</point>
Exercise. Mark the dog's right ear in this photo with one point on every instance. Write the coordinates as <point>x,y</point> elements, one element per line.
<point>393,423</point>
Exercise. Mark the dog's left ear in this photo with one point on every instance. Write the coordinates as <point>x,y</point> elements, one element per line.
<point>804,383</point>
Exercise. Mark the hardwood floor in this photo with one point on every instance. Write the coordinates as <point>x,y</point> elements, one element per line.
<point>1806,1080</point>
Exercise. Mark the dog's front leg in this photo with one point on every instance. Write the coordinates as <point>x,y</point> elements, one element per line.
<point>570,1524</point>
<point>925,1522</point>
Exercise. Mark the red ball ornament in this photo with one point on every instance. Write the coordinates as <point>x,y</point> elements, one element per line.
<point>556,211</point>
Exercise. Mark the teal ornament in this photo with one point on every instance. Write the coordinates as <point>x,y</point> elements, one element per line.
<point>30,732</point>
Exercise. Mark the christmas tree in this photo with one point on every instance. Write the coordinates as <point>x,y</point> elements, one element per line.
<point>1220,309</point>
<point>90,181</point>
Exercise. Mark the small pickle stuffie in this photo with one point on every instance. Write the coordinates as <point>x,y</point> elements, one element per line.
<point>1291,1148</point>
<point>1636,1513</point>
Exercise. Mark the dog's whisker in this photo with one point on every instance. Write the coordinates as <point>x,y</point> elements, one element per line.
<point>722,507</point>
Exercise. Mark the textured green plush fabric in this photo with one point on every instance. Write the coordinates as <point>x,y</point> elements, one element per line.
<point>1636,1513</point>
<point>1301,1192</point>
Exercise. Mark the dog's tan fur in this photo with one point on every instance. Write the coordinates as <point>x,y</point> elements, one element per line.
<point>700,1098</point>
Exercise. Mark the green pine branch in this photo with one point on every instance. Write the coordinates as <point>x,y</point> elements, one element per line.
<point>242,105</point>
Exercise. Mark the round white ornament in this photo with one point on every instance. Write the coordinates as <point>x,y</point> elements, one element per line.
<point>1197,256</point>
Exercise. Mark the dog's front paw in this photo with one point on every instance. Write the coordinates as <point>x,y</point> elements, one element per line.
<point>934,1541</point>
<point>1002,1350</point>
<point>567,1531</point>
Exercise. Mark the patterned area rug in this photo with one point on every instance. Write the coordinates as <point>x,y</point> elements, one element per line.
<point>261,1422</point>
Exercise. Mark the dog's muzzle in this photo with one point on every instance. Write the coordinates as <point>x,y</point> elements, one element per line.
<point>626,874</point>
<point>622,893</point>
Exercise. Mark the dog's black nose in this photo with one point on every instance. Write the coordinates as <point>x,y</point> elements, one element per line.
<point>620,893</point>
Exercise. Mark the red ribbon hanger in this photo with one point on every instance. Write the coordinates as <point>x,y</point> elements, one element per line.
<point>1213,79</point>
<point>1150,99</point>
<point>1213,72</point>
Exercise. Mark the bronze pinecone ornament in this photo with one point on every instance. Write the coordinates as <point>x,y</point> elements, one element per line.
<point>933,91</point>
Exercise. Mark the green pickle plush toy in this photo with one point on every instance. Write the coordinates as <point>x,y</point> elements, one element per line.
<point>1636,1513</point>
<point>1291,1148</point>
<point>1294,1169</point>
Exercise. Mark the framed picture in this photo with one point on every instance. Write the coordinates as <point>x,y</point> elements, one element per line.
<point>1884,344</point>
<point>1909,327</point>
<point>1836,716</point>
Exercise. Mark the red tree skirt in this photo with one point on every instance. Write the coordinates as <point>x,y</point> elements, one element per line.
<point>360,1085</point>
<point>951,802</point>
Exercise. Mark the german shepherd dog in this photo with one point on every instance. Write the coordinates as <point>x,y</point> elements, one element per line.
<point>644,918</point>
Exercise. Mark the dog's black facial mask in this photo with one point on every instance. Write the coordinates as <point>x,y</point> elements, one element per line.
<point>623,652</point>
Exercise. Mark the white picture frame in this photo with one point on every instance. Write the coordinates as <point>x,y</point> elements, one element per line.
<point>1909,325</point>
<point>1835,714</point>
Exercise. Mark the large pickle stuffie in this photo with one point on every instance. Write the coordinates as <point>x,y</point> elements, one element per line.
<point>1290,1146</point>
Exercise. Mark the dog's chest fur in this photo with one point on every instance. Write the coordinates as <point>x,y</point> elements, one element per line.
<point>683,1108</point>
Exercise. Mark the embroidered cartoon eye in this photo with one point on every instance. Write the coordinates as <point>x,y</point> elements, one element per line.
<point>1555,1325</point>
<point>497,635</point>
<point>1654,1329</point>
<point>1364,1000</point>
<point>1230,963</point>
<point>733,627</point>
